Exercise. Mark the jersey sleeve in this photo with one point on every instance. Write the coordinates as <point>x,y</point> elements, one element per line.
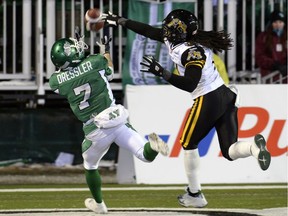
<point>100,62</point>
<point>108,70</point>
<point>53,82</point>
<point>194,57</point>
<point>109,73</point>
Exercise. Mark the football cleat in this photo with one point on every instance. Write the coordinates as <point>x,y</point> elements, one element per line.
<point>99,208</point>
<point>157,144</point>
<point>196,200</point>
<point>264,156</point>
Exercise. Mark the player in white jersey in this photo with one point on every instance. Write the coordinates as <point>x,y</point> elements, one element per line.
<point>84,81</point>
<point>215,105</point>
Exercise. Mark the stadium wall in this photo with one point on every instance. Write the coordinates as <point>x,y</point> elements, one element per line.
<point>40,135</point>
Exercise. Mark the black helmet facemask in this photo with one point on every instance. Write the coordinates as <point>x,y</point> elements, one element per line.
<point>179,26</point>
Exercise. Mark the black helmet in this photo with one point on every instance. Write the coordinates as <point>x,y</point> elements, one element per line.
<point>179,26</point>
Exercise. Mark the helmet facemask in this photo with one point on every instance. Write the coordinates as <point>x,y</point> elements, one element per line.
<point>80,46</point>
<point>175,31</point>
<point>179,26</point>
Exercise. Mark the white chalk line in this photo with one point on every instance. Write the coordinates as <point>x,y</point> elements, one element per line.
<point>143,188</point>
<point>150,211</point>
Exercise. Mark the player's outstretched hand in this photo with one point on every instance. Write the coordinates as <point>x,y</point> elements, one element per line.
<point>112,19</point>
<point>104,44</point>
<point>77,33</point>
<point>152,66</point>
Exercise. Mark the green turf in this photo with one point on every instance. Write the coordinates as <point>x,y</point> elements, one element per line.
<point>236,198</point>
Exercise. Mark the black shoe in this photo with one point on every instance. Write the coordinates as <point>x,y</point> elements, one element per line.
<point>264,157</point>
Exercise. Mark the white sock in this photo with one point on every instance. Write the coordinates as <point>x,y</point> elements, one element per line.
<point>192,167</point>
<point>242,149</point>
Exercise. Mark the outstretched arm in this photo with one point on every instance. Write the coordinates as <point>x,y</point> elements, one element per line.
<point>138,27</point>
<point>145,30</point>
<point>189,81</point>
<point>104,45</point>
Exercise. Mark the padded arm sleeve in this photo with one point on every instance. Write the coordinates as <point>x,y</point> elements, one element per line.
<point>144,29</point>
<point>189,81</point>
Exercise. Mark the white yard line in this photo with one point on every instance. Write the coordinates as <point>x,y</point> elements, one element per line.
<point>147,211</point>
<point>144,188</point>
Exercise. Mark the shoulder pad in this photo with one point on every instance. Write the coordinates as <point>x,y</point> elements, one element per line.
<point>193,53</point>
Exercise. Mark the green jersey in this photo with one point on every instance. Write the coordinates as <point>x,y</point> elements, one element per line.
<point>85,86</point>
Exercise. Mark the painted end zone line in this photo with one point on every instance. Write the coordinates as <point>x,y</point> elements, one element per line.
<point>143,188</point>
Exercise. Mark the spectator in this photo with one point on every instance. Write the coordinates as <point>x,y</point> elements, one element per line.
<point>271,47</point>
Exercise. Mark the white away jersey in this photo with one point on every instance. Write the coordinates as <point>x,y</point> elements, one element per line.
<point>210,79</point>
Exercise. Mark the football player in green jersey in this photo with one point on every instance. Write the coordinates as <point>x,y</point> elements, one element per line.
<point>84,81</point>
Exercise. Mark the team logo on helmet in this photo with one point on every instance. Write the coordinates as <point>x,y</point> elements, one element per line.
<point>178,24</point>
<point>67,48</point>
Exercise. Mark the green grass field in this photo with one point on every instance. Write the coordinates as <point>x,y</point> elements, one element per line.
<point>218,198</point>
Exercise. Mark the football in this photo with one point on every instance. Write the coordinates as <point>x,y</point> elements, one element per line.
<point>92,19</point>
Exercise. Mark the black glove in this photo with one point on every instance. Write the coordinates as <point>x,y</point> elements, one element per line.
<point>113,19</point>
<point>104,44</point>
<point>77,33</point>
<point>152,66</point>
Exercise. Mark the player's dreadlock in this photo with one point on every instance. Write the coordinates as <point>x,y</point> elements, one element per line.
<point>215,40</point>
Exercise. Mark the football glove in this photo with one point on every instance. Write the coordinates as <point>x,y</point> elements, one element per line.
<point>152,66</point>
<point>113,19</point>
<point>104,44</point>
<point>77,33</point>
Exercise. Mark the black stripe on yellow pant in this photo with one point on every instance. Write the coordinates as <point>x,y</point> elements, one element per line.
<point>191,122</point>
